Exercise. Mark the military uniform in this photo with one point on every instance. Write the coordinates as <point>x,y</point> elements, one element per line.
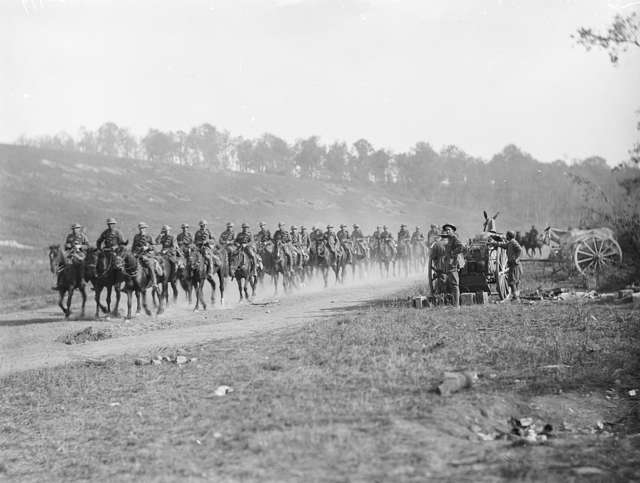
<point>356,234</point>
<point>403,234</point>
<point>452,251</point>
<point>142,243</point>
<point>184,239</point>
<point>74,239</point>
<point>109,239</point>
<point>263,236</point>
<point>166,241</point>
<point>417,237</point>
<point>295,238</point>
<point>343,234</point>
<point>202,237</point>
<point>304,239</point>
<point>227,236</point>
<point>514,273</point>
<point>244,240</point>
<point>282,236</point>
<point>332,240</point>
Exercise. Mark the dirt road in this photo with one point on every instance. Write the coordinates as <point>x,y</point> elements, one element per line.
<point>30,339</point>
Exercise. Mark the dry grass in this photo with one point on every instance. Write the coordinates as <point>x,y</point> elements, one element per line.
<point>348,398</point>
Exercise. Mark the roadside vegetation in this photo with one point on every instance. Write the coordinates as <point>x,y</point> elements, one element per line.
<point>348,397</point>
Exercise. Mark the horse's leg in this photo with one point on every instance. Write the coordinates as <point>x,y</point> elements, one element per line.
<point>161,296</point>
<point>109,299</point>
<point>201,290</point>
<point>276,275</point>
<point>129,303</point>
<point>69,296</point>
<point>60,298</point>
<point>174,287</point>
<point>145,306</point>
<point>83,293</point>
<point>97,290</point>
<point>118,290</point>
<point>239,281</point>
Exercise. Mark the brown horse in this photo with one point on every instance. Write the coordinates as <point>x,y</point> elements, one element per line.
<point>198,272</point>
<point>137,279</point>
<point>70,273</point>
<point>101,272</point>
<point>386,258</point>
<point>404,256</point>
<point>244,271</point>
<point>419,255</point>
<point>277,260</point>
<point>171,273</point>
<point>361,255</point>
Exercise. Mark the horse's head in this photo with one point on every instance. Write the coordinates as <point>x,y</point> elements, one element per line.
<point>55,257</point>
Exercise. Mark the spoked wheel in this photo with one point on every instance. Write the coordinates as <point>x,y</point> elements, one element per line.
<point>498,260</point>
<point>433,272</point>
<point>593,255</point>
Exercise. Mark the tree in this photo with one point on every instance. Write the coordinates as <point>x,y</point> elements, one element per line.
<point>107,139</point>
<point>309,156</point>
<point>336,161</point>
<point>158,145</point>
<point>624,32</point>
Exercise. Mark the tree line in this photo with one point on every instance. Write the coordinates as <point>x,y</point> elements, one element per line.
<point>511,179</point>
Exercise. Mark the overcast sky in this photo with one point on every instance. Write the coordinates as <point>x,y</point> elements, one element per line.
<point>476,73</point>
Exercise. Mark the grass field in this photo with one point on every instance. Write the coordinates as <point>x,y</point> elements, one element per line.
<point>347,398</point>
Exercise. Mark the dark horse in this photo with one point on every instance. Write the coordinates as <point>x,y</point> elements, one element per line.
<point>171,274</point>
<point>70,276</point>
<point>102,273</point>
<point>419,255</point>
<point>197,272</point>
<point>360,254</point>
<point>386,257</point>
<point>277,261</point>
<point>244,271</point>
<point>328,259</point>
<point>137,279</point>
<point>404,256</point>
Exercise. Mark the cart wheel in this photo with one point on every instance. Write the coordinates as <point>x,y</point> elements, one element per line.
<point>592,255</point>
<point>433,273</point>
<point>501,270</point>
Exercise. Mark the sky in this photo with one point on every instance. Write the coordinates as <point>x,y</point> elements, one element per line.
<point>480,74</point>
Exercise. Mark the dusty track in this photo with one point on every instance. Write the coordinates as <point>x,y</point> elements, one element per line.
<point>28,339</point>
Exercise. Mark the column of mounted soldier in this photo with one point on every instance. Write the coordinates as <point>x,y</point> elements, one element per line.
<point>292,255</point>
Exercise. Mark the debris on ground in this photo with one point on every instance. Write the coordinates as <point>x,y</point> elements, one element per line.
<point>159,359</point>
<point>526,431</point>
<point>456,381</point>
<point>223,390</point>
<point>88,334</point>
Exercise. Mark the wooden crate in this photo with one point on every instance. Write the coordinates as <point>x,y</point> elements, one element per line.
<point>467,298</point>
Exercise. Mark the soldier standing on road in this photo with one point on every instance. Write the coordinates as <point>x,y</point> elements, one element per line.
<point>451,263</point>
<point>202,240</point>
<point>514,251</point>
<point>108,241</point>
<point>142,248</point>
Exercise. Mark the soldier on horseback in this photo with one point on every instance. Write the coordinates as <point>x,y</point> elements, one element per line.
<point>75,246</point>
<point>376,239</point>
<point>296,242</point>
<point>142,248</point>
<point>184,239</point>
<point>333,243</point>
<point>345,241</point>
<point>227,236</point>
<point>386,237</point>
<point>403,234</point>
<point>305,240</point>
<point>108,241</point>
<point>169,246</point>
<point>202,240</point>
<point>282,239</point>
<point>417,236</point>
<point>244,241</point>
<point>263,235</point>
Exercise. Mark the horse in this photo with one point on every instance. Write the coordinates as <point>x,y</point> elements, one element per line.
<point>404,255</point>
<point>277,261</point>
<point>360,257</point>
<point>386,257</point>
<point>489,223</point>
<point>243,269</point>
<point>419,255</point>
<point>171,274</point>
<point>198,271</point>
<point>137,279</point>
<point>324,260</point>
<point>70,276</point>
<point>532,241</point>
<point>100,270</point>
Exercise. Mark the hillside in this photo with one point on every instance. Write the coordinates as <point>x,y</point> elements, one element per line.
<point>44,191</point>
